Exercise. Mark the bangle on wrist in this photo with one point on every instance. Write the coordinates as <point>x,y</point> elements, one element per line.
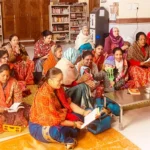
<point>74,124</point>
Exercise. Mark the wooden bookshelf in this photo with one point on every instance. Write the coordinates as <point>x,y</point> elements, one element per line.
<point>66,21</point>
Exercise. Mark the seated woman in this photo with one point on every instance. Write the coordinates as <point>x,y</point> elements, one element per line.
<point>41,50</point>
<point>114,40</point>
<point>116,68</point>
<point>72,80</point>
<point>53,57</point>
<point>84,40</point>
<point>87,60</point>
<point>53,117</point>
<point>9,94</point>
<point>138,55</point>
<point>3,57</point>
<point>99,56</point>
<point>121,66</point>
<point>23,66</point>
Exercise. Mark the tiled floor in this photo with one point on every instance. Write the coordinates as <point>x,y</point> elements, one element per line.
<point>136,122</point>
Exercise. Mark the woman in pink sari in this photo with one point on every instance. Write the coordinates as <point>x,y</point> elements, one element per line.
<point>138,57</point>
<point>23,66</point>
<point>114,40</point>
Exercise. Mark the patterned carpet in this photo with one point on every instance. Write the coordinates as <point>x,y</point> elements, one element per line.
<point>108,140</point>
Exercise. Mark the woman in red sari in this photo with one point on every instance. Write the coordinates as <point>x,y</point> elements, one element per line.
<point>53,117</point>
<point>138,55</point>
<point>23,66</point>
<point>99,56</point>
<point>11,93</point>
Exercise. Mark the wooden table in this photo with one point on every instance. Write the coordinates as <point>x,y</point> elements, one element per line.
<point>127,101</point>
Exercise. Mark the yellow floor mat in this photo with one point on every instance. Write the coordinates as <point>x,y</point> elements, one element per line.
<point>29,99</point>
<point>108,140</point>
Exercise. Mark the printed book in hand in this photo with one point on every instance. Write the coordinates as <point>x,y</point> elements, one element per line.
<point>15,107</point>
<point>90,117</point>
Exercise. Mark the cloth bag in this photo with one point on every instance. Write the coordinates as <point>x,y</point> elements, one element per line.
<point>101,124</point>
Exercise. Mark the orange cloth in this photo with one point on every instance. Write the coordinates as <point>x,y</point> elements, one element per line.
<point>49,63</point>
<point>10,94</point>
<point>46,109</point>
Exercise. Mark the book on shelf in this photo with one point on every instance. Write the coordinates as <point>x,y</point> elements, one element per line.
<point>15,107</point>
<point>90,117</point>
<point>134,91</point>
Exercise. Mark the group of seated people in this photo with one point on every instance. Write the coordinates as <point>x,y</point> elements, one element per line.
<point>69,81</point>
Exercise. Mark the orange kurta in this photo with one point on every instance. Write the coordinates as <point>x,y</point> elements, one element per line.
<point>47,109</point>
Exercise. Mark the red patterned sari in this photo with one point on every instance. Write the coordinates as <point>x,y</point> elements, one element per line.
<point>9,94</point>
<point>23,66</point>
<point>139,75</point>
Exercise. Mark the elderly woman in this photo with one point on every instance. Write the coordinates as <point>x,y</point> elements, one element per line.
<point>114,40</point>
<point>41,50</point>
<point>138,57</point>
<point>23,66</point>
<point>53,57</point>
<point>11,93</point>
<point>84,40</point>
<point>71,79</point>
<point>54,118</point>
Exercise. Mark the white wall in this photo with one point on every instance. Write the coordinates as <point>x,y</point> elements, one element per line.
<point>127,10</point>
<point>128,31</point>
